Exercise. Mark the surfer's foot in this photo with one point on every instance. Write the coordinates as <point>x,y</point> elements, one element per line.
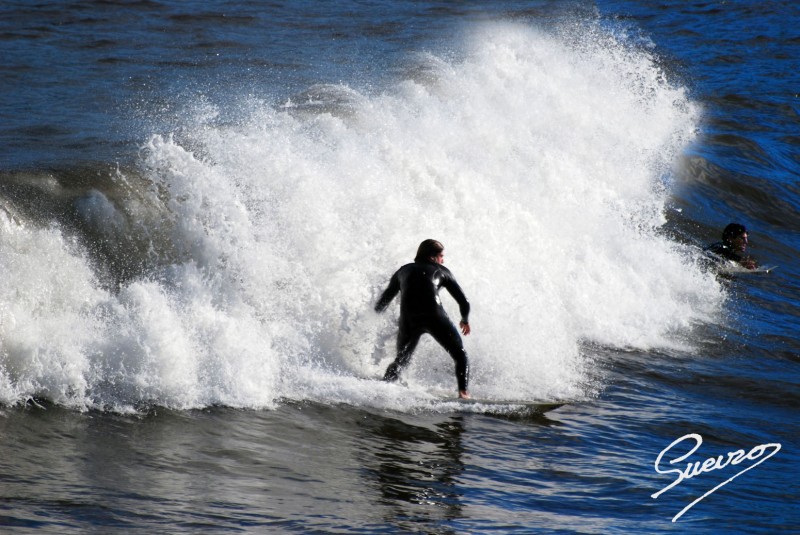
<point>463,394</point>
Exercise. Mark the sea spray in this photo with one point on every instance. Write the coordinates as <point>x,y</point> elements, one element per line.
<point>46,305</point>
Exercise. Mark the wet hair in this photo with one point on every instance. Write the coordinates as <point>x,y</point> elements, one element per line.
<point>427,250</point>
<point>732,231</point>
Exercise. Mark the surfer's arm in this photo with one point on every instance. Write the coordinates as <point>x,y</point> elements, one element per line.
<point>458,294</point>
<point>388,294</point>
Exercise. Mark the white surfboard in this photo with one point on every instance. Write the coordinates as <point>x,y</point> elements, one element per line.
<point>511,406</point>
<point>732,268</point>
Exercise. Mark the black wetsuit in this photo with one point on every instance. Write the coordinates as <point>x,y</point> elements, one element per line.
<point>421,312</point>
<point>722,250</point>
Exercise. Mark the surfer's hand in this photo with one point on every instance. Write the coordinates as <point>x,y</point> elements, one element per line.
<point>464,328</point>
<point>749,263</point>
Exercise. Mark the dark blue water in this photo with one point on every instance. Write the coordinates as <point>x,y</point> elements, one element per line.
<point>200,202</point>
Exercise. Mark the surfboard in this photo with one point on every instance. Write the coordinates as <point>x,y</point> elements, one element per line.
<point>736,269</point>
<point>762,269</point>
<point>510,406</point>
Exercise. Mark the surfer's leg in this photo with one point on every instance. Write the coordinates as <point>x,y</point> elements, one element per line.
<point>446,334</point>
<point>407,341</point>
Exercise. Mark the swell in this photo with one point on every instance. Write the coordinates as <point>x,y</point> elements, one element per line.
<point>110,212</point>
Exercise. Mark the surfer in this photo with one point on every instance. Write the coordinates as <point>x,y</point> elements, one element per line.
<point>732,247</point>
<point>421,311</point>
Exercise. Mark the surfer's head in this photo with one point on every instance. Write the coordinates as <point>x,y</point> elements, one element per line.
<point>430,251</point>
<point>735,236</point>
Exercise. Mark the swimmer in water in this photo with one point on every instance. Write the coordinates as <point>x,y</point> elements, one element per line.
<point>732,247</point>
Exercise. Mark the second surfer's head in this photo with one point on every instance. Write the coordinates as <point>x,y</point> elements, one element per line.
<point>735,236</point>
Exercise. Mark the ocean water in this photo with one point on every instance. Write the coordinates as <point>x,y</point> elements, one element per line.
<point>200,203</point>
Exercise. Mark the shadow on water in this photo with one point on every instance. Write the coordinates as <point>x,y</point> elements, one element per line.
<point>415,469</point>
<point>416,465</point>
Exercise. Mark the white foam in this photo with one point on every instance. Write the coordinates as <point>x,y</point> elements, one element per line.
<point>537,160</point>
